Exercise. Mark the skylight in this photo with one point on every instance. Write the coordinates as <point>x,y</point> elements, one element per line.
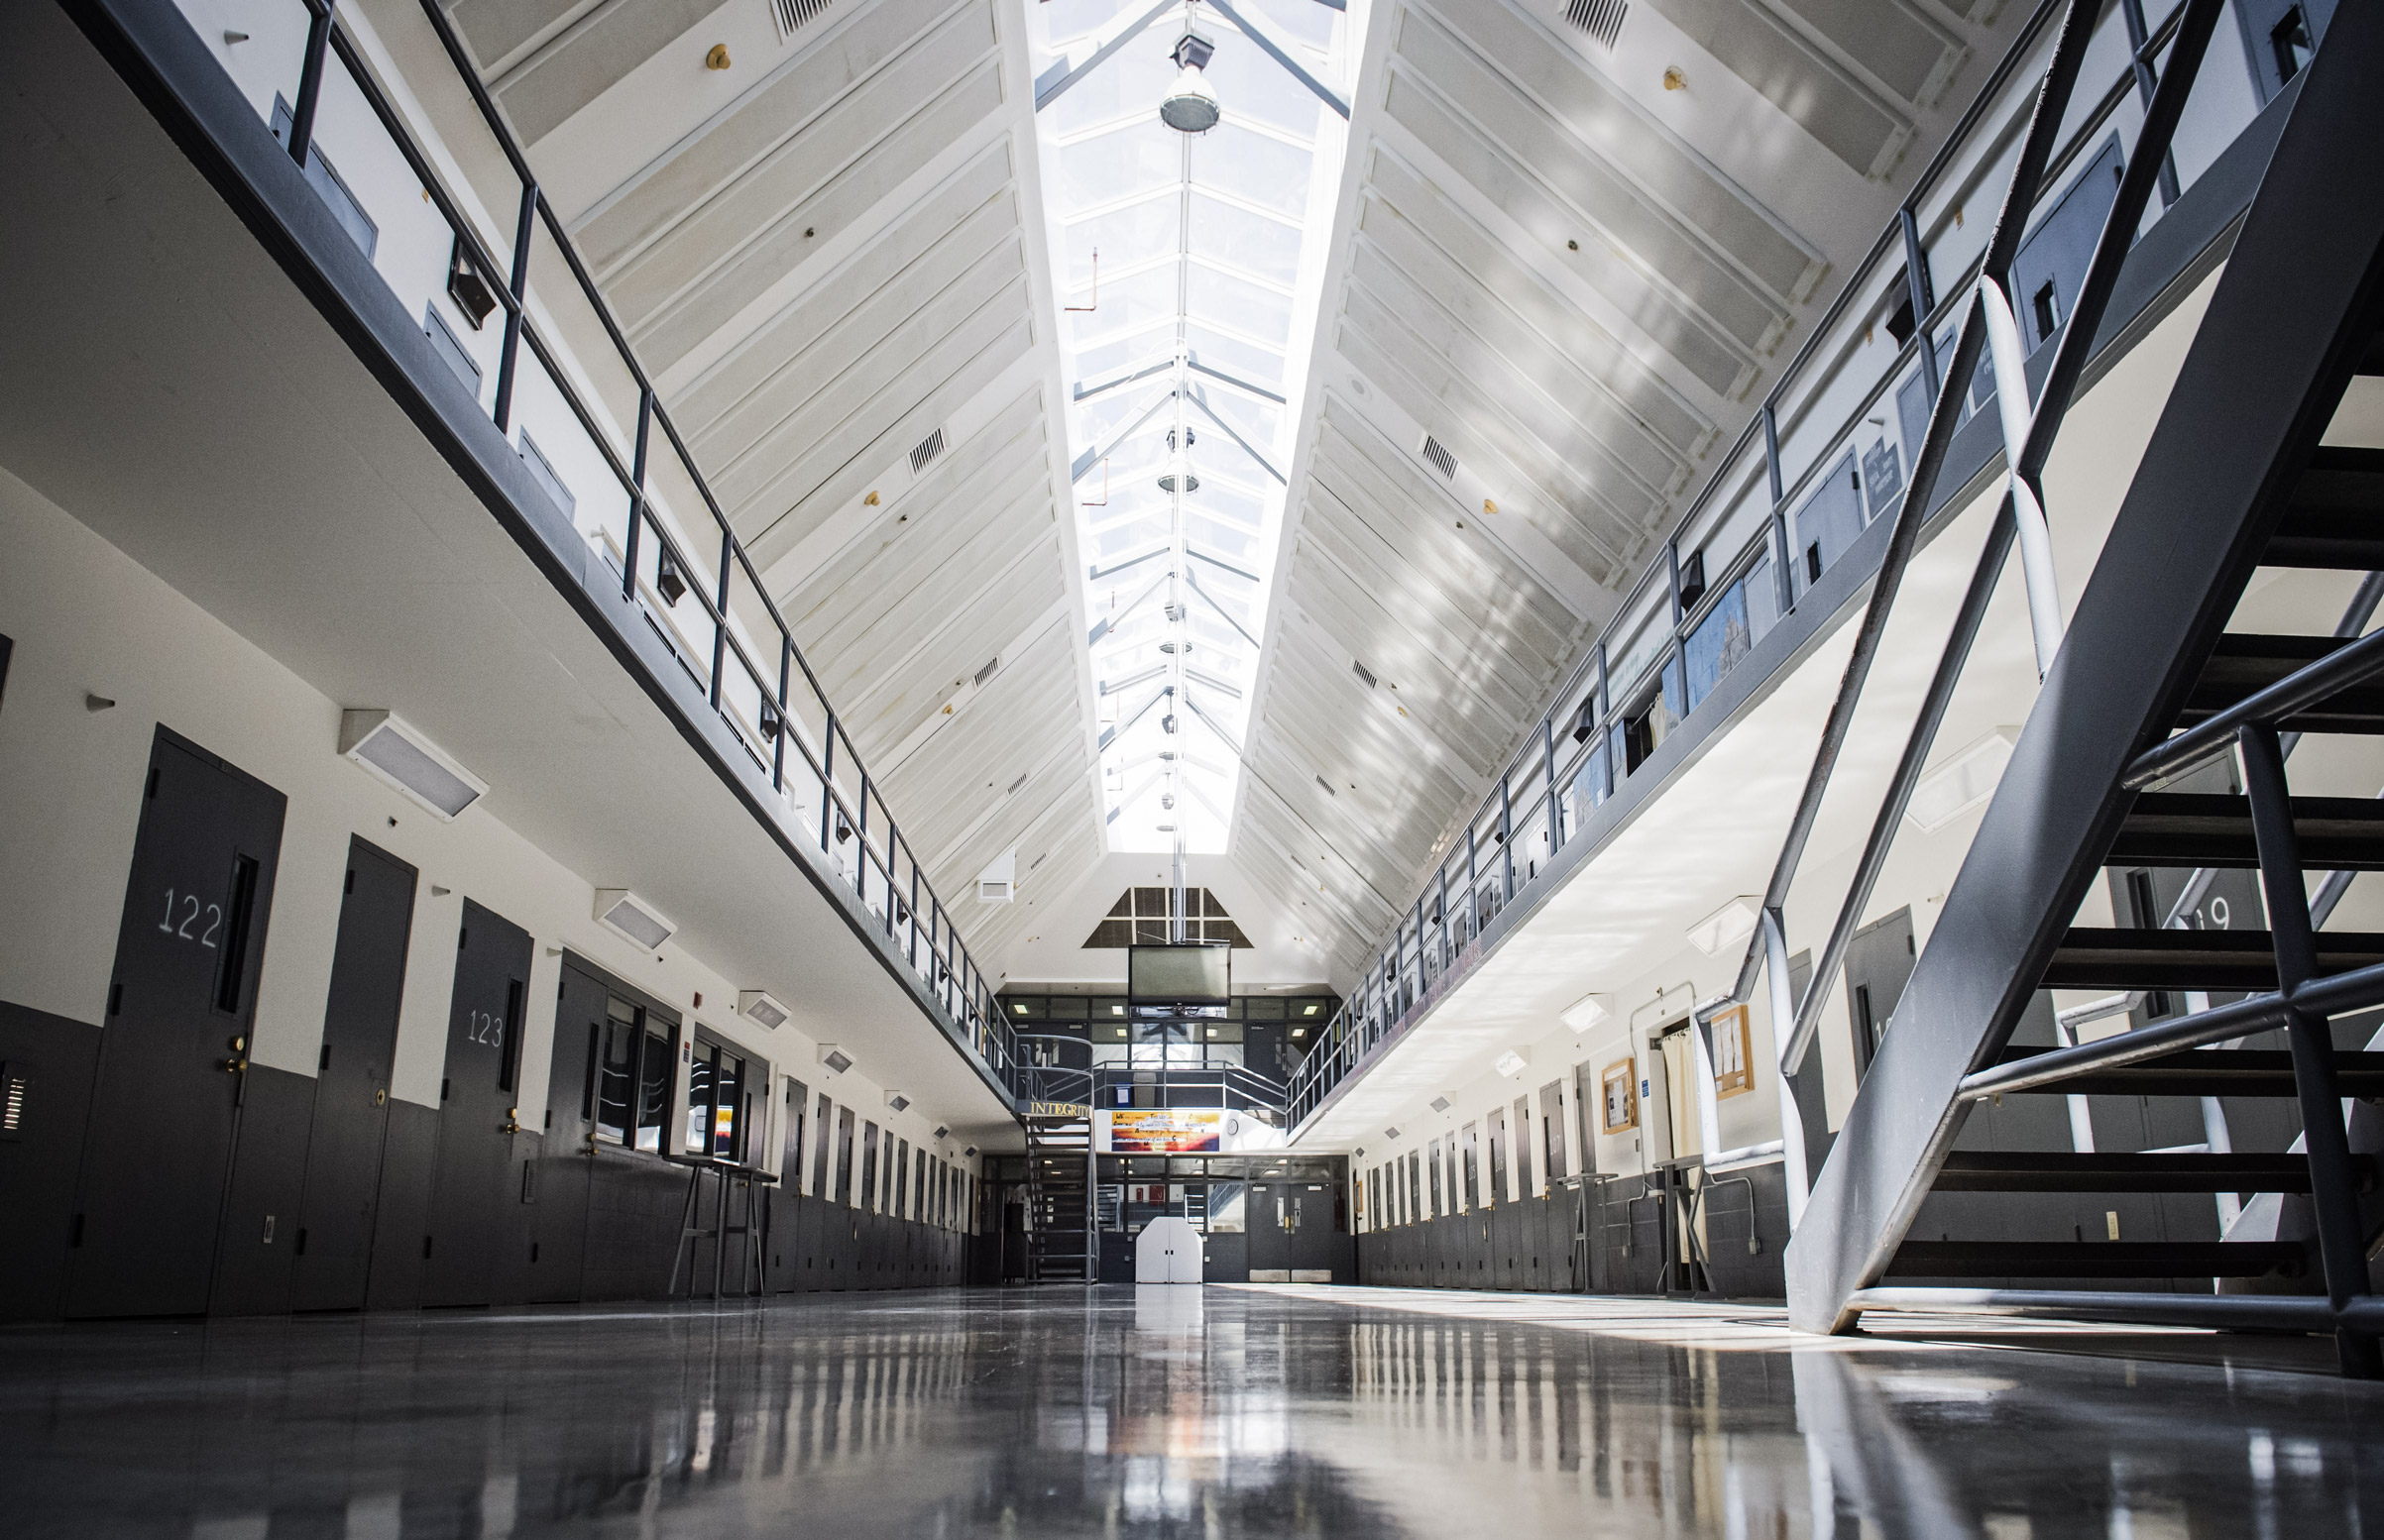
<point>1191,263</point>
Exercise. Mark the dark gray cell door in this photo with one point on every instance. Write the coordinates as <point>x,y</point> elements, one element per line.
<point>475,1190</point>
<point>1270,1240</point>
<point>560,1187</point>
<point>166,1106</point>
<point>1312,1236</point>
<point>2052,261</point>
<point>352,1077</point>
<point>1879,961</point>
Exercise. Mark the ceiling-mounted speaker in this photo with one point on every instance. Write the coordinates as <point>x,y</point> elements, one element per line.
<point>626,914</point>
<point>757,1004</point>
<point>397,752</point>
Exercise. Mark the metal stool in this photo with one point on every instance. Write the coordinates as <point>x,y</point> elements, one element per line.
<point>690,1232</point>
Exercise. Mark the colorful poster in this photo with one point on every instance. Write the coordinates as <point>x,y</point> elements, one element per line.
<point>1167,1131</point>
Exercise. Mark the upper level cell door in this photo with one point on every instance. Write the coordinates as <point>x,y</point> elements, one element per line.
<point>174,1051</point>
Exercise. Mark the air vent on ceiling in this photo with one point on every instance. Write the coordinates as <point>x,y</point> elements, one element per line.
<point>791,14</point>
<point>397,752</point>
<point>620,910</point>
<point>1013,791</point>
<point>759,1006</point>
<point>1365,674</point>
<point>1328,785</point>
<point>1442,460</point>
<point>1039,860</point>
<point>1601,18</point>
<point>897,1101</point>
<point>1439,1104</point>
<point>929,447</point>
<point>836,1061</point>
<point>987,671</point>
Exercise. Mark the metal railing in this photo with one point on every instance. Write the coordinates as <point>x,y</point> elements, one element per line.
<point>1838,425</point>
<point>566,366</point>
<point>1230,1087</point>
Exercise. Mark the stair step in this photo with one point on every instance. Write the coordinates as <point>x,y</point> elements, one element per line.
<point>2211,1072</point>
<point>2025,1170</point>
<point>2176,828</point>
<point>2097,1259</point>
<point>2336,516</point>
<point>2244,663</point>
<point>2218,960</point>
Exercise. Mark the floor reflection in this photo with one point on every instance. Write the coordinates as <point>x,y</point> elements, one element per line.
<point>1152,1412</point>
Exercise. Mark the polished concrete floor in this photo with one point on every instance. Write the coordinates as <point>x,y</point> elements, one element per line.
<point>1218,1411</point>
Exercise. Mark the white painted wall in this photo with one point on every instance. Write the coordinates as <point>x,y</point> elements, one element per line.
<point>87,620</point>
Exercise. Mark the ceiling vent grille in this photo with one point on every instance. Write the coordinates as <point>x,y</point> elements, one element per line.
<point>1013,791</point>
<point>1328,785</point>
<point>987,671</point>
<point>929,447</point>
<point>14,1089</point>
<point>620,910</point>
<point>1365,674</point>
<point>394,750</point>
<point>791,14</point>
<point>1601,18</point>
<point>1438,455</point>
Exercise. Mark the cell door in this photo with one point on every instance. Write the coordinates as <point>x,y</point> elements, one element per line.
<point>1310,1210</point>
<point>1270,1239</point>
<point>1878,962</point>
<point>174,1053</point>
<point>475,1189</point>
<point>352,1079</point>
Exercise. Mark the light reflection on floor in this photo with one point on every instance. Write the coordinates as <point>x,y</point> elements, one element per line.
<point>1218,1411</point>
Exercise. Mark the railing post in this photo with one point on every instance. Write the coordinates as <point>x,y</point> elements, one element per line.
<point>720,623</point>
<point>1506,838</point>
<point>1920,293</point>
<point>1793,1155</point>
<point>827,781</point>
<point>2138,36</point>
<point>629,547</point>
<point>786,654</point>
<point>2014,403</point>
<point>1548,764</point>
<point>1779,515</point>
<point>508,361</point>
<point>310,80</point>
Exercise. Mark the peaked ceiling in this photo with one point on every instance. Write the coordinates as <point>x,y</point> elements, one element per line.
<point>836,259</point>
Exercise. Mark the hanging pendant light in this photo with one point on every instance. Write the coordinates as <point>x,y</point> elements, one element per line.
<point>1179,470</point>
<point>1191,107</point>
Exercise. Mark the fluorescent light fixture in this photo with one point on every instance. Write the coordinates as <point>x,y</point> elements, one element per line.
<point>1963,782</point>
<point>836,1061</point>
<point>1585,1012</point>
<point>760,1006</point>
<point>1308,1010</point>
<point>1512,1062</point>
<point>626,914</point>
<point>1726,927</point>
<point>897,1101</point>
<point>998,882</point>
<point>399,753</point>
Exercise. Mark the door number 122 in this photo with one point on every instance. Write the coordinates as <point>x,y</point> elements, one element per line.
<point>191,911</point>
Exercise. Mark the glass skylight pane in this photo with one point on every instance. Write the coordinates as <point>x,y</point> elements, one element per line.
<point>1116,164</point>
<point>1253,167</point>
<point>1244,306</point>
<point>1292,21</point>
<point>1254,421</point>
<point>1105,359</point>
<point>1240,238</point>
<point>1150,297</point>
<point>1243,361</point>
<point>1261,90</point>
<point>1123,237</point>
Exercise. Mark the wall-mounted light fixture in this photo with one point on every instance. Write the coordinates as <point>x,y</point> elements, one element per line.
<point>836,1061</point>
<point>763,1007</point>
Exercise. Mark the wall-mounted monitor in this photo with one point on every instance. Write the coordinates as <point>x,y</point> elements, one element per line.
<point>1194,972</point>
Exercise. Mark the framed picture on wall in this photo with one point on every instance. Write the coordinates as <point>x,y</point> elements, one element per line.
<point>1620,1104</point>
<point>1734,1054</point>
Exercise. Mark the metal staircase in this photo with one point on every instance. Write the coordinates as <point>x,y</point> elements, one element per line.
<point>1059,1197</point>
<point>2146,692</point>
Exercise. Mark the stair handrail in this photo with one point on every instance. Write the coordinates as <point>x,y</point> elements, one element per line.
<point>2029,430</point>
